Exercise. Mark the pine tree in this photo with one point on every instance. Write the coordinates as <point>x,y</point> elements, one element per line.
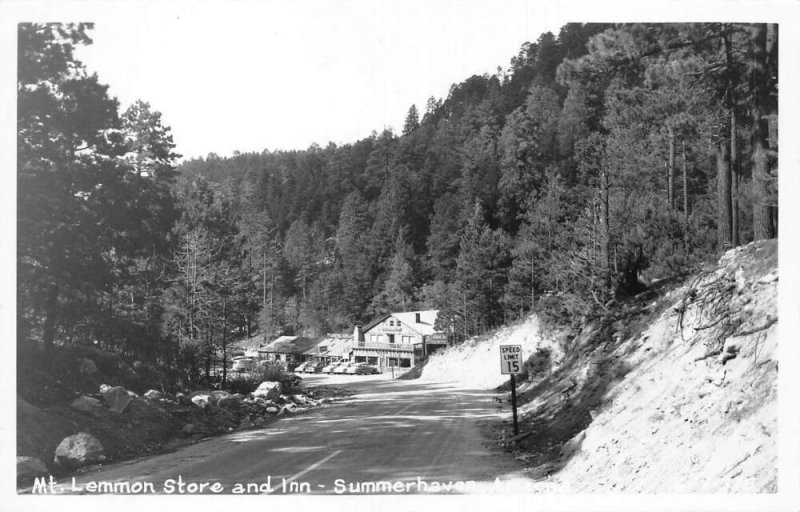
<point>764,79</point>
<point>397,293</point>
<point>355,269</point>
<point>481,273</point>
<point>412,120</point>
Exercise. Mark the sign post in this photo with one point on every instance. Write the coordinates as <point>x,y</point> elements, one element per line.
<point>511,364</point>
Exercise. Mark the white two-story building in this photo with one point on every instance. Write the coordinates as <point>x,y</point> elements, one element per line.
<point>398,339</point>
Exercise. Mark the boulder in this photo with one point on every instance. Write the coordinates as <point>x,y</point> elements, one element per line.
<point>230,402</point>
<point>216,396</point>
<point>104,388</point>
<point>201,400</point>
<point>79,450</point>
<point>87,366</point>
<point>154,394</point>
<point>270,390</point>
<point>86,404</point>
<point>300,399</point>
<point>117,399</point>
<point>272,410</point>
<point>132,394</point>
<point>30,467</point>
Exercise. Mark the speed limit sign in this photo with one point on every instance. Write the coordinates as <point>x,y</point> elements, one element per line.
<point>510,359</point>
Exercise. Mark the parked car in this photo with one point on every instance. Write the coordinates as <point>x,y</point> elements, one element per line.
<point>350,369</point>
<point>301,367</point>
<point>341,368</point>
<point>332,366</point>
<point>315,367</point>
<point>366,369</point>
<point>346,368</point>
<point>243,364</point>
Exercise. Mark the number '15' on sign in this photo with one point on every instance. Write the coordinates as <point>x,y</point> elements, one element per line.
<point>510,359</point>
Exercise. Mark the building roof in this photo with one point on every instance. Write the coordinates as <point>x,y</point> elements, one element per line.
<point>374,322</point>
<point>291,345</point>
<point>337,346</point>
<point>427,319</point>
<point>249,345</point>
<point>425,326</point>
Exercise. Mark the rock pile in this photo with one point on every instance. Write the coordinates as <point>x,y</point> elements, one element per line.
<point>180,418</point>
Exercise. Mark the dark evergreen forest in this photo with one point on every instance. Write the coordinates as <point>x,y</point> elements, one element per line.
<point>600,160</point>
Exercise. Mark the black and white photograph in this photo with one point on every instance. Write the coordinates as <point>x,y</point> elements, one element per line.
<point>401,254</point>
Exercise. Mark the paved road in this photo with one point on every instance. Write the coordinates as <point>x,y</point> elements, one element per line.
<point>391,437</point>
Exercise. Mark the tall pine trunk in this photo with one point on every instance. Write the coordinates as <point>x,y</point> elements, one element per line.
<point>671,170</point>
<point>764,39</point>
<point>734,182</point>
<point>730,101</point>
<point>685,202</point>
<point>224,343</point>
<point>264,328</point>
<point>723,195</point>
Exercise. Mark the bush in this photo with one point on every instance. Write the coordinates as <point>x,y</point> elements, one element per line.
<point>271,371</point>
<point>540,362</point>
<point>242,384</point>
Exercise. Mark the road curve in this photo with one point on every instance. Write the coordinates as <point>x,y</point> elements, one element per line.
<point>391,437</point>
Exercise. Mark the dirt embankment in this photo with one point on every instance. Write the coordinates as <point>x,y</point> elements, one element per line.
<point>675,390</point>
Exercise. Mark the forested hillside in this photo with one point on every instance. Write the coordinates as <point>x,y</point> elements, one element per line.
<point>599,160</point>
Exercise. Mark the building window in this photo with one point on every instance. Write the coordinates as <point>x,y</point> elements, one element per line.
<point>391,338</point>
<point>373,338</point>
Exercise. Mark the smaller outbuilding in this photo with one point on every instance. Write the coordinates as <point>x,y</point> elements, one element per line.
<point>288,349</point>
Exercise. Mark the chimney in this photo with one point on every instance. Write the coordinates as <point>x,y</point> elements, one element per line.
<point>419,321</point>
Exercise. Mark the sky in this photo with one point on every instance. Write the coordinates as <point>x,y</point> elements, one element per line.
<point>283,75</point>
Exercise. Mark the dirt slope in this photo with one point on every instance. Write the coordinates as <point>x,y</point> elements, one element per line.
<point>476,363</point>
<point>674,391</point>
